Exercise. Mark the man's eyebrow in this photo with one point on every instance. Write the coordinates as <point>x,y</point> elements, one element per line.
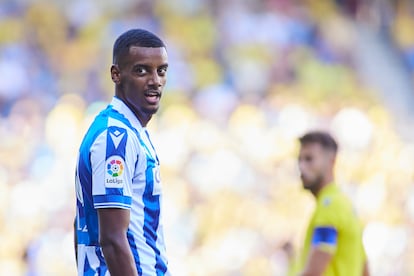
<point>148,66</point>
<point>140,65</point>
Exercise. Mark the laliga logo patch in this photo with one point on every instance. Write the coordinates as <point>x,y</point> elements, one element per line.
<point>114,168</point>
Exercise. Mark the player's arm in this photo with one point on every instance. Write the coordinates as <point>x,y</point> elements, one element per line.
<point>317,262</point>
<point>366,269</point>
<point>324,241</point>
<point>113,225</point>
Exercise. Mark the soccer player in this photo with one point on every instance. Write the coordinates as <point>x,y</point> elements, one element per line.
<point>333,244</point>
<point>119,228</point>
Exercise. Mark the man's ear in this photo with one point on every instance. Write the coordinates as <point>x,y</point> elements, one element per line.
<point>115,74</point>
<point>332,157</point>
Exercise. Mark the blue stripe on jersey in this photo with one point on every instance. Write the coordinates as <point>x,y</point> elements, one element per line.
<point>161,266</point>
<point>156,156</point>
<point>134,250</point>
<point>114,191</point>
<point>112,198</point>
<point>152,206</point>
<point>151,215</point>
<point>87,215</point>
<point>326,235</point>
<point>87,269</point>
<point>102,264</point>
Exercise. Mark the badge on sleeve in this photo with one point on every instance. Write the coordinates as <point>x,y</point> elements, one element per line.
<point>157,190</point>
<point>114,170</point>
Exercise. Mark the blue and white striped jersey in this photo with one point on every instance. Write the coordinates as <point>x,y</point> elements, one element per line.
<point>118,168</point>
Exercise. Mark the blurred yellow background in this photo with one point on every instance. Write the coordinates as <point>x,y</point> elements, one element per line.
<point>246,79</point>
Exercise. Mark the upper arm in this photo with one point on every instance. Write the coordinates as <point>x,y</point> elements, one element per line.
<point>113,223</point>
<point>324,240</point>
<point>317,262</point>
<point>112,164</point>
<point>366,269</point>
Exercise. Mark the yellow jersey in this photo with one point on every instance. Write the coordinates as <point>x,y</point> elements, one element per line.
<point>335,228</point>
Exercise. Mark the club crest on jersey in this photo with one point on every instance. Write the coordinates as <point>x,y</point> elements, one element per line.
<point>327,201</point>
<point>157,181</point>
<point>114,169</point>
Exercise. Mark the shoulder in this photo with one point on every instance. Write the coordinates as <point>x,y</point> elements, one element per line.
<point>118,125</point>
<point>107,131</point>
<point>335,209</point>
<point>328,207</point>
<point>335,203</point>
<point>333,197</point>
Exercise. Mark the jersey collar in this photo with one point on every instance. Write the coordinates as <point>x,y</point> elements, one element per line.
<point>122,108</point>
<point>328,189</point>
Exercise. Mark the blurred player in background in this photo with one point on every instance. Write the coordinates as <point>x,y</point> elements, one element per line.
<point>118,220</point>
<point>333,244</point>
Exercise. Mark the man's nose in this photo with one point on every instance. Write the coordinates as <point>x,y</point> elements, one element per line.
<point>301,166</point>
<point>155,80</point>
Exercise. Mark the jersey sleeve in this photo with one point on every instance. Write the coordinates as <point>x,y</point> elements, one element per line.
<point>113,158</point>
<point>326,226</point>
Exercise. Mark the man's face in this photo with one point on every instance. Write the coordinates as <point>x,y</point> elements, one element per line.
<point>315,163</point>
<point>142,77</point>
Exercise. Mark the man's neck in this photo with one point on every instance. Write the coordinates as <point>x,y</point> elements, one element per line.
<point>316,191</point>
<point>142,118</point>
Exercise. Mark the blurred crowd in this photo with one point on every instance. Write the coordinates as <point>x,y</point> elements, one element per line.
<point>402,34</point>
<point>246,79</point>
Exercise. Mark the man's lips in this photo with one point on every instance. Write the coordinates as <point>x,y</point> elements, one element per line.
<point>153,96</point>
<point>152,93</point>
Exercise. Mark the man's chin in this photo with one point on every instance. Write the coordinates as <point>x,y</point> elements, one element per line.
<point>151,110</point>
<point>307,185</point>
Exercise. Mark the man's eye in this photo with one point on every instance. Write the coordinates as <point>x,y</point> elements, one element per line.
<point>140,70</point>
<point>162,71</point>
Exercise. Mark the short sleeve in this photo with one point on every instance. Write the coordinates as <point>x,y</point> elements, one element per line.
<point>113,157</point>
<point>326,225</point>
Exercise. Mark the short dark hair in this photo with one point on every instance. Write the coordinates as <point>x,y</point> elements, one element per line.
<point>320,137</point>
<point>135,37</point>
